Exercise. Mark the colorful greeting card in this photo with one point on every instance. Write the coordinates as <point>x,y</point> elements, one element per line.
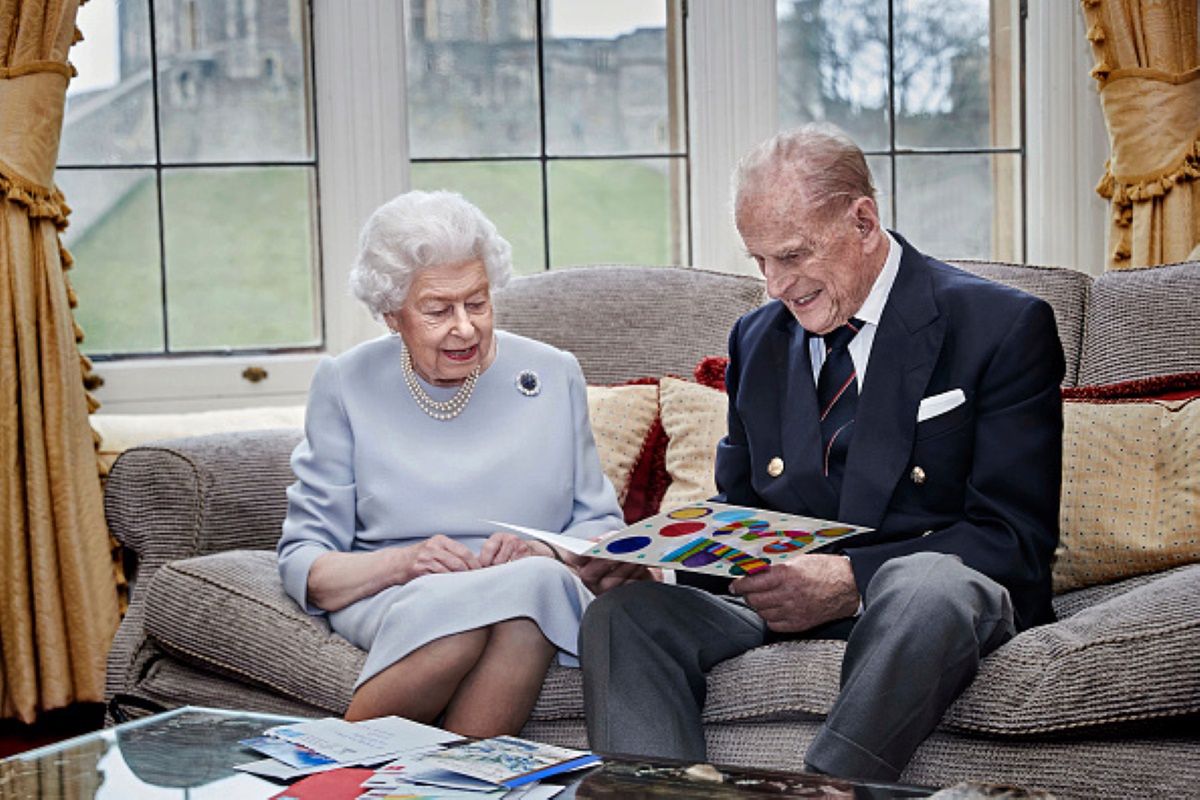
<point>714,538</point>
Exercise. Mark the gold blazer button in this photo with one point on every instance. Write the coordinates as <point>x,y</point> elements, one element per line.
<point>917,475</point>
<point>775,467</point>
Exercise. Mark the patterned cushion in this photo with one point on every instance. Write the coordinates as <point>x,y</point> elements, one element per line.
<point>694,418</point>
<point>1130,490</point>
<point>621,420</point>
<point>1142,323</point>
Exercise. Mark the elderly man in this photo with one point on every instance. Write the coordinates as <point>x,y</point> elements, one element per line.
<point>882,388</point>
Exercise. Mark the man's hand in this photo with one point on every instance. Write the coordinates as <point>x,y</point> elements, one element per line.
<point>437,554</point>
<point>502,547</point>
<point>603,574</point>
<point>802,593</point>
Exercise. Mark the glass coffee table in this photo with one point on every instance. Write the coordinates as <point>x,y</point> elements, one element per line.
<point>190,753</point>
<point>187,752</point>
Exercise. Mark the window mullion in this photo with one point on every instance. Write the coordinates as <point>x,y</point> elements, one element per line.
<point>732,107</point>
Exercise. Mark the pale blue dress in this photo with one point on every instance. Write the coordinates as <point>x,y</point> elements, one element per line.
<point>375,471</point>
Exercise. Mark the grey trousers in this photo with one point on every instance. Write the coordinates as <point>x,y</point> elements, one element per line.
<point>927,622</point>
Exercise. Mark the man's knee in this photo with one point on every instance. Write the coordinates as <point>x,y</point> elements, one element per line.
<point>617,610</point>
<point>937,585</point>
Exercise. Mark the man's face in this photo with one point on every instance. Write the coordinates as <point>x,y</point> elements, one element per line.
<point>820,265</point>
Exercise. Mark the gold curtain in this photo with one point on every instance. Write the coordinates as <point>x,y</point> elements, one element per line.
<point>58,602</point>
<point>1148,70</point>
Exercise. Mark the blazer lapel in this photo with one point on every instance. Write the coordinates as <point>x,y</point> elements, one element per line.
<point>800,429</point>
<point>902,359</point>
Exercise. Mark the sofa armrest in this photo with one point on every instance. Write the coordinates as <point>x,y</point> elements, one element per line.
<point>188,497</point>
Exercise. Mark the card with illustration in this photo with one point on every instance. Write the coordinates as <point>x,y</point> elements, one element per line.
<point>509,761</point>
<point>714,538</point>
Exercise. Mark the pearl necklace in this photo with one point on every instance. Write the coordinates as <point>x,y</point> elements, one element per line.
<point>439,410</point>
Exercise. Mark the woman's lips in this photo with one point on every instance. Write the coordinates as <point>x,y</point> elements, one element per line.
<point>461,355</point>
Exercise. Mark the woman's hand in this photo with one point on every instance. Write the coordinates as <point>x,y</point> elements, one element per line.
<point>438,554</point>
<point>501,547</point>
<point>604,574</point>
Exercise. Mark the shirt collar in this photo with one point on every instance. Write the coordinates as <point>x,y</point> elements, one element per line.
<point>872,308</point>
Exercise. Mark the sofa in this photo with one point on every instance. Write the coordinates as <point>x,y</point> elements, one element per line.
<point>1103,703</point>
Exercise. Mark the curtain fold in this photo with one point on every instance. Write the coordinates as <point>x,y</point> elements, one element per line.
<point>1148,70</point>
<point>58,601</point>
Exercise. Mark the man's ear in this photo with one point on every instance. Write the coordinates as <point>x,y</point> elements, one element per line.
<point>866,216</point>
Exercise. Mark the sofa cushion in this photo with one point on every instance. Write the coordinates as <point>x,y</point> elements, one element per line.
<point>621,419</point>
<point>1130,490</point>
<point>694,418</point>
<point>1080,673</point>
<point>197,607</point>
<point>1130,658</point>
<point>629,322</point>
<point>1066,290</point>
<point>1142,323</point>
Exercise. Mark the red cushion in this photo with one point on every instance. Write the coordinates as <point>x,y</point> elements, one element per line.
<point>648,480</point>
<point>1181,386</point>
<point>710,372</point>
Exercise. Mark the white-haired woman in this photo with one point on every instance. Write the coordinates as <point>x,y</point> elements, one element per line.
<point>415,440</point>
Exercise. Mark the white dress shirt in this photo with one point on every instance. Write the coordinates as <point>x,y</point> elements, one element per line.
<point>870,313</point>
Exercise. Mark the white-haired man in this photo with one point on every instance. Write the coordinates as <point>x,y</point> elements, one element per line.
<point>882,388</point>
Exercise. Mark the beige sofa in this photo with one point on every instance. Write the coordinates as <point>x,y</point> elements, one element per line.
<point>1103,703</point>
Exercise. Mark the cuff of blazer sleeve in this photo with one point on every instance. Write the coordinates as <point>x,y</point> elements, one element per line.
<point>293,571</point>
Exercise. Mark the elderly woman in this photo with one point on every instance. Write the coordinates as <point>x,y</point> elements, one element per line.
<point>415,440</point>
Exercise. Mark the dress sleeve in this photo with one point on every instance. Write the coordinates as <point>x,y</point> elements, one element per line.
<point>321,512</point>
<point>595,510</point>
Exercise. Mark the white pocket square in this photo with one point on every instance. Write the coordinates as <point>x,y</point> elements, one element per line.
<point>939,404</point>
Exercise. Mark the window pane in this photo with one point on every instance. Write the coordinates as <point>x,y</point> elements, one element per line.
<point>472,78</point>
<point>615,211</point>
<point>233,80</point>
<point>608,85</point>
<point>881,173</point>
<point>955,73</point>
<point>961,206</point>
<point>109,117</point>
<point>240,257</point>
<point>113,237</point>
<point>509,193</point>
<point>833,65</point>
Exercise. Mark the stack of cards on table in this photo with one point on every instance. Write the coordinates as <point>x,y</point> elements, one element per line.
<point>411,760</point>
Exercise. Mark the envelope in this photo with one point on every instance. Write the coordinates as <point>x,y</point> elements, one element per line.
<point>938,404</point>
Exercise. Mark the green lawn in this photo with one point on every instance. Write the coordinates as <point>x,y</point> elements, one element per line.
<point>239,247</point>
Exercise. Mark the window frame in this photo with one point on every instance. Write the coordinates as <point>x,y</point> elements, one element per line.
<point>359,80</point>
<point>361,163</point>
<point>677,156</point>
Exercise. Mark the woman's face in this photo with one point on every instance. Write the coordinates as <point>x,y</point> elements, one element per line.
<point>446,322</point>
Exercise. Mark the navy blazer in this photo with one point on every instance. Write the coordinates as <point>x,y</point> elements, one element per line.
<point>992,466</point>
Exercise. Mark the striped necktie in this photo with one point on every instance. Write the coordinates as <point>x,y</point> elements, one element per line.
<point>837,396</point>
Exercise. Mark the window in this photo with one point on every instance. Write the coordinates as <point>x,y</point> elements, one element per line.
<point>563,120</point>
<point>188,155</point>
<point>932,91</point>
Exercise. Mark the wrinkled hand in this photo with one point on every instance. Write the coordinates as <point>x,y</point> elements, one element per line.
<point>801,594</point>
<point>603,574</point>
<point>438,554</point>
<point>501,547</point>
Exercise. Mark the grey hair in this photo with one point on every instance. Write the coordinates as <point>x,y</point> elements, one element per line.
<point>422,230</point>
<point>827,167</point>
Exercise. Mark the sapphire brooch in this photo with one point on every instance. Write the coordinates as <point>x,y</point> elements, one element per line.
<point>528,383</point>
